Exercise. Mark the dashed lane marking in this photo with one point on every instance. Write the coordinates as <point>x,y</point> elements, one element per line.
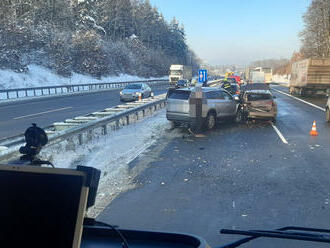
<point>279,134</point>
<point>45,112</point>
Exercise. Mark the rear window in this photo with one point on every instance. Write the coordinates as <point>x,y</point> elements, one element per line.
<point>179,94</point>
<point>133,86</point>
<point>259,97</point>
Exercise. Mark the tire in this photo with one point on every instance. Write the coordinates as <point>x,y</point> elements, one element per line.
<point>239,116</point>
<point>327,115</point>
<point>210,121</point>
<point>175,124</point>
<point>273,120</point>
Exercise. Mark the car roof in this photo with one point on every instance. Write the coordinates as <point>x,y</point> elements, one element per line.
<point>204,89</point>
<point>259,92</point>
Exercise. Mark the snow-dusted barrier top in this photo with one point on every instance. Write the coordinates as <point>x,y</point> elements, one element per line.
<point>7,94</point>
<point>82,133</point>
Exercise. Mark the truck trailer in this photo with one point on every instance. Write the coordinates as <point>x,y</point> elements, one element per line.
<point>310,76</point>
<point>179,72</point>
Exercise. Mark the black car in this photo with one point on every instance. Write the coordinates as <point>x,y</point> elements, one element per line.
<point>182,83</point>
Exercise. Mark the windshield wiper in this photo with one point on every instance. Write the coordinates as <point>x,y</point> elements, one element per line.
<point>290,232</point>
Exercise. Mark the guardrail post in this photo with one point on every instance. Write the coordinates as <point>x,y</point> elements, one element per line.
<point>127,119</point>
<point>104,130</point>
<point>7,95</point>
<point>55,90</point>
<point>80,139</point>
<point>17,93</point>
<point>117,124</point>
<point>48,91</point>
<point>42,92</point>
<point>26,94</point>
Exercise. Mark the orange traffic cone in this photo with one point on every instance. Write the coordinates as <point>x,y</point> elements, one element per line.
<point>313,132</point>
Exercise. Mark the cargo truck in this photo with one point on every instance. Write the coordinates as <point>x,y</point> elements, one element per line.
<point>257,77</point>
<point>179,72</point>
<point>310,76</point>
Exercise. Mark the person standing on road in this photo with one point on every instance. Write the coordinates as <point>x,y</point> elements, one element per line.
<point>226,85</point>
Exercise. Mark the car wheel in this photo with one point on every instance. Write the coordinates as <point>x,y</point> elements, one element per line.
<point>210,121</point>
<point>175,124</point>
<point>274,120</point>
<point>239,116</point>
<point>327,115</point>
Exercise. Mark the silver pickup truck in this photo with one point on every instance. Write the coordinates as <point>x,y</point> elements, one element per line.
<point>215,104</point>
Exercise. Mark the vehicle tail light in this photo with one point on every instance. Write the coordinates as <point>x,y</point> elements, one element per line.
<point>269,102</point>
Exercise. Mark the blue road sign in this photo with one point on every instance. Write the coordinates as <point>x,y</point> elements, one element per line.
<point>202,75</point>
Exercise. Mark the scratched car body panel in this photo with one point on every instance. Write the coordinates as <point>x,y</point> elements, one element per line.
<point>259,104</point>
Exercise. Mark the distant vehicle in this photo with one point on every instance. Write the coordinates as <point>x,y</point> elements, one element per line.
<point>310,76</point>
<point>237,79</point>
<point>257,77</point>
<point>182,83</point>
<point>179,72</point>
<point>132,92</point>
<point>258,104</point>
<point>232,80</point>
<point>327,110</point>
<point>217,104</point>
<point>268,73</point>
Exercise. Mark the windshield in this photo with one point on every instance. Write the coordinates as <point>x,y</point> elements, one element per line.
<point>179,72</point>
<point>196,120</point>
<point>133,86</point>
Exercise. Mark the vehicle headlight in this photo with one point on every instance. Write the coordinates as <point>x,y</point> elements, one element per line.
<point>120,92</point>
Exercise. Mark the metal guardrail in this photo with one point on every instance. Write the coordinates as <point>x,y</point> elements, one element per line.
<point>99,126</point>
<point>8,94</point>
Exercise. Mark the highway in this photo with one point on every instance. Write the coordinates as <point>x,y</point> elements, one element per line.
<point>238,176</point>
<point>17,116</point>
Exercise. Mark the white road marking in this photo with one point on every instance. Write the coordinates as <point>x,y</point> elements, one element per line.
<point>311,104</point>
<point>279,134</point>
<point>45,112</point>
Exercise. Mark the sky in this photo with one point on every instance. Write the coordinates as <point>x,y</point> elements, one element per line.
<point>238,31</point>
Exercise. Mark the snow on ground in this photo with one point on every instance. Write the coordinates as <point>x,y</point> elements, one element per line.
<point>112,155</point>
<point>281,79</point>
<point>40,76</point>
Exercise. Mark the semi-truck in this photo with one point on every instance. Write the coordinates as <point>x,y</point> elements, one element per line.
<point>178,72</point>
<point>310,76</point>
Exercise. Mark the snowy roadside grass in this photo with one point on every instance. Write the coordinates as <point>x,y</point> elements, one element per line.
<point>112,155</point>
<point>283,79</point>
<point>38,76</point>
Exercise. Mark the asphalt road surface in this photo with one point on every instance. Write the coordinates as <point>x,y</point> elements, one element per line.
<point>17,116</point>
<point>236,177</point>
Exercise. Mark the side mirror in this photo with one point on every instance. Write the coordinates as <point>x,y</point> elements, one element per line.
<point>236,98</point>
<point>274,97</point>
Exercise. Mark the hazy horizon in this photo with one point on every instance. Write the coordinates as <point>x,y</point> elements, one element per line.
<point>237,31</point>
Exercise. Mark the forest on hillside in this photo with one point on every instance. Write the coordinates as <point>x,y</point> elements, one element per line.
<point>95,37</point>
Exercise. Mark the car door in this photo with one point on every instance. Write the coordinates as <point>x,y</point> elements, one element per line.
<point>229,104</point>
<point>215,100</point>
<point>144,90</point>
